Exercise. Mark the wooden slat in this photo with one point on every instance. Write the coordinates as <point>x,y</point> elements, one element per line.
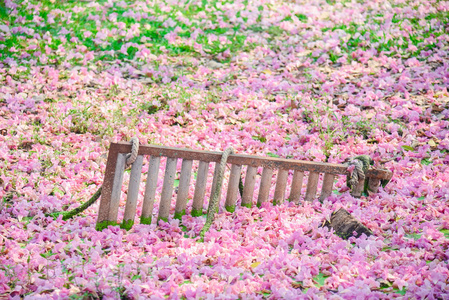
<point>214,186</point>
<point>265,185</point>
<point>281,184</point>
<point>373,185</point>
<point>117,187</point>
<point>233,187</point>
<point>358,189</point>
<point>150,190</point>
<point>111,190</point>
<point>167,189</point>
<point>326,190</point>
<point>200,189</point>
<point>312,184</point>
<point>295,191</point>
<point>183,189</point>
<point>248,188</point>
<point>215,179</point>
<point>133,193</point>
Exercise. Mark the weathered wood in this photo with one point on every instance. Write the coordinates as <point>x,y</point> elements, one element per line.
<point>214,179</point>
<point>233,187</point>
<point>167,189</point>
<point>379,174</point>
<point>373,185</point>
<point>117,188</point>
<point>248,188</point>
<point>312,184</point>
<point>200,189</point>
<point>295,191</point>
<point>265,185</point>
<point>113,180</point>
<point>133,193</point>
<point>326,190</point>
<point>183,189</point>
<point>112,187</point>
<point>150,190</point>
<point>250,160</point>
<point>281,184</point>
<point>344,225</point>
<point>358,189</point>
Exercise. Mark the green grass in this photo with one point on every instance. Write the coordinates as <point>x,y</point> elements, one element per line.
<point>446,233</point>
<point>388,46</point>
<point>151,28</point>
<point>415,236</point>
<point>320,279</point>
<point>3,11</point>
<point>154,29</point>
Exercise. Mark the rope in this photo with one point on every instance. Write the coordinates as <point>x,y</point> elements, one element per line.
<point>213,204</point>
<point>131,157</point>
<point>361,164</point>
<point>69,214</point>
<point>357,173</point>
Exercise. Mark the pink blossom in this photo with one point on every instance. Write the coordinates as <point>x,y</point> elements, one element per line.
<point>314,81</point>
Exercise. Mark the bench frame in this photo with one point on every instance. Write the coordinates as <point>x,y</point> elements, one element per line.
<point>113,180</point>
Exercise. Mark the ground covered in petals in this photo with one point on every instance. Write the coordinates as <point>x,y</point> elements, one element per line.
<point>319,80</point>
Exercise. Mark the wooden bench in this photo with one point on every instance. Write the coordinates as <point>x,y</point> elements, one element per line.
<point>113,180</point>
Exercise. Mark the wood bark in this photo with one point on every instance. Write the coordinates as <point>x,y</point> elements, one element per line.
<point>345,225</point>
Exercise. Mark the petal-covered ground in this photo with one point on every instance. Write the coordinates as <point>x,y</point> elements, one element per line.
<point>319,80</point>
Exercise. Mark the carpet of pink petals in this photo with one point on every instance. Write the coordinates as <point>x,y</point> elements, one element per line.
<point>290,88</point>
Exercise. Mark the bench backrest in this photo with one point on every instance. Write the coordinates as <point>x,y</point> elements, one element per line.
<point>113,180</point>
